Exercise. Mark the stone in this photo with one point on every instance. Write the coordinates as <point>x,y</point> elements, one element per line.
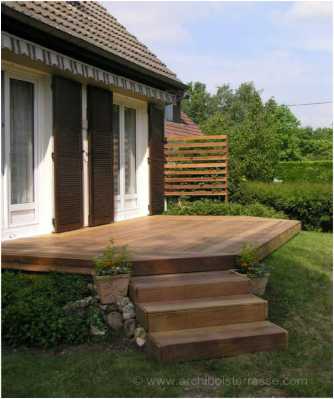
<point>96,331</point>
<point>91,287</point>
<point>129,327</point>
<point>103,307</point>
<point>112,307</point>
<point>123,301</point>
<point>129,311</point>
<point>80,304</point>
<point>140,336</point>
<point>114,320</point>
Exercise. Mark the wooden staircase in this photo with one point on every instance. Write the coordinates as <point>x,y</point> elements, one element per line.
<point>203,315</point>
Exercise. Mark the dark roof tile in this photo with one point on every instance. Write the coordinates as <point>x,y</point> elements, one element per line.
<point>90,21</point>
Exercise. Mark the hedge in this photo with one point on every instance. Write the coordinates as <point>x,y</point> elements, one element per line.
<point>311,203</point>
<point>33,309</point>
<point>312,171</point>
<point>216,207</point>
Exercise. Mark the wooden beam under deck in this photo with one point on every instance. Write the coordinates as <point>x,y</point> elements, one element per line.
<point>158,244</point>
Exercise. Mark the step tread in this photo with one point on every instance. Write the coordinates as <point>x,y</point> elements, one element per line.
<point>200,303</point>
<point>181,279</point>
<point>216,333</point>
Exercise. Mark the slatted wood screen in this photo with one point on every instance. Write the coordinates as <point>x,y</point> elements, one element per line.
<point>196,165</point>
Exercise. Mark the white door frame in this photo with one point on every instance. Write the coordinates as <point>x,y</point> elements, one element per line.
<point>12,209</point>
<point>36,217</point>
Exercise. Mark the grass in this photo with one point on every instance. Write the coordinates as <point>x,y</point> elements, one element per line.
<point>300,300</point>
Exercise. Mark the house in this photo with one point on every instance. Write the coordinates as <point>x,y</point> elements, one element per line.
<point>181,126</point>
<point>83,119</point>
<point>83,130</point>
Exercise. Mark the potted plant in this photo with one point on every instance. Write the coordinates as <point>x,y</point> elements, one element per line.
<point>112,273</point>
<point>257,271</point>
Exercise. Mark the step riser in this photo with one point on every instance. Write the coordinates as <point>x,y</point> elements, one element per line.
<point>194,291</point>
<point>183,265</point>
<point>197,318</point>
<point>215,349</point>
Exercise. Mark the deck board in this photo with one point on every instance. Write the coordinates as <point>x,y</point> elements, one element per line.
<point>151,240</point>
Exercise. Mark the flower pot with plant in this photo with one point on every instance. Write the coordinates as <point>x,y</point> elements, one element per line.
<point>257,271</point>
<point>112,273</point>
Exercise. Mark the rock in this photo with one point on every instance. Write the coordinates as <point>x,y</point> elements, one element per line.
<point>140,336</point>
<point>112,307</point>
<point>96,331</point>
<point>129,327</point>
<point>103,307</point>
<point>129,311</point>
<point>122,302</point>
<point>91,287</point>
<point>114,320</point>
<point>81,303</point>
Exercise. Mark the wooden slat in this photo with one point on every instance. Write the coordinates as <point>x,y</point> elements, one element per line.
<point>195,172</point>
<point>198,137</point>
<point>196,158</point>
<point>195,165</point>
<point>174,151</point>
<point>194,193</point>
<point>193,186</point>
<point>193,179</point>
<point>195,145</point>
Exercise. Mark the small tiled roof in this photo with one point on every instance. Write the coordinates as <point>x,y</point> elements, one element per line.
<point>90,21</point>
<point>185,128</point>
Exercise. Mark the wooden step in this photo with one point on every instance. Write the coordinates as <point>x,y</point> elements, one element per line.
<point>189,264</point>
<point>204,312</point>
<point>219,341</point>
<point>171,287</point>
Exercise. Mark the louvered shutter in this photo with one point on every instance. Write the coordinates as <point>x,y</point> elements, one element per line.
<point>67,130</point>
<point>156,151</point>
<point>100,136</point>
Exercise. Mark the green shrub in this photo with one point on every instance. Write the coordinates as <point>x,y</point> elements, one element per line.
<point>114,260</point>
<point>32,309</point>
<point>311,203</point>
<point>311,171</point>
<point>215,207</point>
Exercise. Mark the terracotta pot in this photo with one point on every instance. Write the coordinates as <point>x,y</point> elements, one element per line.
<point>259,284</point>
<point>112,288</point>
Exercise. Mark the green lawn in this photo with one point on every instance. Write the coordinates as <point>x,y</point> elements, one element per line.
<point>300,300</point>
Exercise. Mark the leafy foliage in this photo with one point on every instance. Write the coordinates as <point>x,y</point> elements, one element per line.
<point>311,203</point>
<point>114,260</point>
<point>249,263</point>
<point>32,309</point>
<point>311,171</point>
<point>215,207</point>
<point>260,133</point>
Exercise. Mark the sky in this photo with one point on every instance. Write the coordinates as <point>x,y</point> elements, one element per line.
<point>285,48</point>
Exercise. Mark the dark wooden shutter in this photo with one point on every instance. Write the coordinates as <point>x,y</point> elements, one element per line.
<point>100,136</point>
<point>156,158</point>
<point>67,130</point>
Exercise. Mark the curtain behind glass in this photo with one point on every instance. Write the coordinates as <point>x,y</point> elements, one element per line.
<point>116,138</point>
<point>130,150</point>
<point>22,141</point>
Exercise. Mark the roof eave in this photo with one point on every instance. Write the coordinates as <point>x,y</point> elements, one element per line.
<point>6,11</point>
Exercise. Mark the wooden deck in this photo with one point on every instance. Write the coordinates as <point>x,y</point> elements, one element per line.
<point>158,244</point>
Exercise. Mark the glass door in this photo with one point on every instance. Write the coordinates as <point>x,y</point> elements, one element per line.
<point>125,160</point>
<point>19,116</point>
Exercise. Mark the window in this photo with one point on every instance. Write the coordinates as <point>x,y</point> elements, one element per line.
<point>130,150</point>
<point>125,147</point>
<point>116,136</point>
<point>169,113</point>
<point>21,141</point>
